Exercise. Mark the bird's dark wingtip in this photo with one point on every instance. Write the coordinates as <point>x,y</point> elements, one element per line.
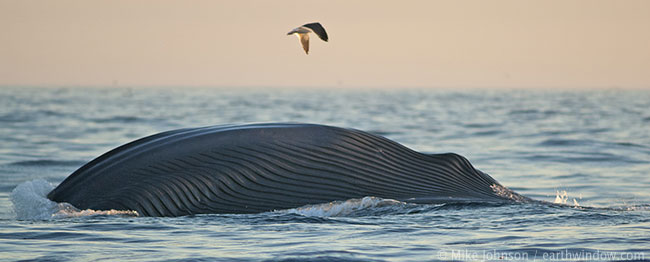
<point>318,29</point>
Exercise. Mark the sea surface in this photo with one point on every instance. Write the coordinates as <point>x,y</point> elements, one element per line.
<point>585,152</point>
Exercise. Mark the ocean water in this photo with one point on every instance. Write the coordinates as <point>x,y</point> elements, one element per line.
<point>587,151</point>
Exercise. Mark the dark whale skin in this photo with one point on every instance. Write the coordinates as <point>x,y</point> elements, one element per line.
<point>263,167</point>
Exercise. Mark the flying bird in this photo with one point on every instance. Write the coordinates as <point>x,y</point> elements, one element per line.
<point>303,33</point>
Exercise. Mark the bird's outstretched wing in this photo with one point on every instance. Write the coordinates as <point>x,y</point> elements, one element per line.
<point>318,29</point>
<point>304,40</point>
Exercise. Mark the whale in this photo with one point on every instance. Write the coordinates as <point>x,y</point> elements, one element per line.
<point>255,168</point>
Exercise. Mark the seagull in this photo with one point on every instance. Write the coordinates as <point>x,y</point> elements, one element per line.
<point>303,33</point>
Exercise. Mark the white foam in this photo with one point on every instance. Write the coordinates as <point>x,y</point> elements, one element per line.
<point>342,208</point>
<point>560,198</point>
<point>507,193</point>
<point>630,207</point>
<point>66,210</point>
<point>563,197</point>
<point>30,202</point>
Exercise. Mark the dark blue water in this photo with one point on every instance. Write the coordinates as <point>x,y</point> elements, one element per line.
<point>588,150</point>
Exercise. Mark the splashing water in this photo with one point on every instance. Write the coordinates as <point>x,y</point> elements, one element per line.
<point>30,202</point>
<point>563,197</point>
<point>343,208</point>
<point>507,193</point>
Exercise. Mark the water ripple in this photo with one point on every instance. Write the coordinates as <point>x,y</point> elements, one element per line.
<point>591,143</point>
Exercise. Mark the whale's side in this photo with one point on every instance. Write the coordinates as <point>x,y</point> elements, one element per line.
<point>264,167</point>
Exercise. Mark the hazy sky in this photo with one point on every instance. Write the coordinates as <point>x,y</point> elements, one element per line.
<point>372,43</point>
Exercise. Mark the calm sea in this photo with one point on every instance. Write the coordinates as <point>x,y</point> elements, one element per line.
<point>588,150</point>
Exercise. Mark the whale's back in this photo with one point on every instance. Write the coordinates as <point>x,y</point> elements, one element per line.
<point>264,167</point>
